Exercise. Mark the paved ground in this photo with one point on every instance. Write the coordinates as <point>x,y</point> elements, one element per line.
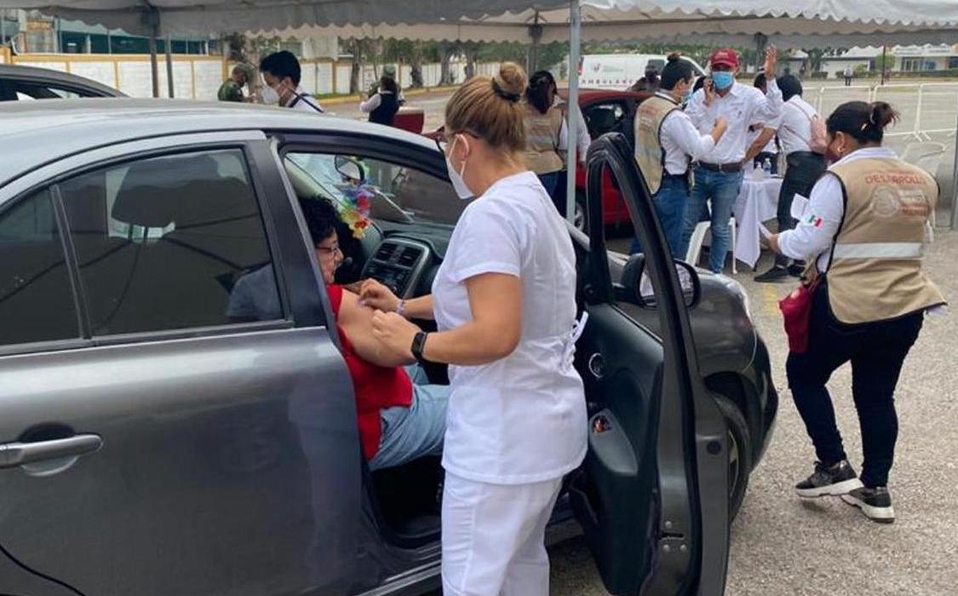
<point>781,545</point>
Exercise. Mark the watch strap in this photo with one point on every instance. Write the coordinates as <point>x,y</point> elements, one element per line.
<point>418,345</point>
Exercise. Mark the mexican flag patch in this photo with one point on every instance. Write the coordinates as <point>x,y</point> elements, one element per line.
<point>815,221</point>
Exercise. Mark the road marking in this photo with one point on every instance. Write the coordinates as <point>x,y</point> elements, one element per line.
<point>770,298</point>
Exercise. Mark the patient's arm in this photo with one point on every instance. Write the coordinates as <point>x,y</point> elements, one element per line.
<point>356,322</point>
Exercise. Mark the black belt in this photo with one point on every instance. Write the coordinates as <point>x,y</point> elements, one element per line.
<point>721,167</point>
<point>682,176</point>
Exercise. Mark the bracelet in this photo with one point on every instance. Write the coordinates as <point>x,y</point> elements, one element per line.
<point>401,308</point>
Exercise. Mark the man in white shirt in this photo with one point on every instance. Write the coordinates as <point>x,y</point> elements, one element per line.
<point>665,141</point>
<point>804,168</point>
<point>281,75</point>
<point>762,142</point>
<point>718,174</point>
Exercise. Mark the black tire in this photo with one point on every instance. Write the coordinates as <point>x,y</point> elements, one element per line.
<point>740,454</point>
<point>581,219</point>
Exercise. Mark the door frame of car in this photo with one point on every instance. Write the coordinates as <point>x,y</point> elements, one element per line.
<point>299,282</point>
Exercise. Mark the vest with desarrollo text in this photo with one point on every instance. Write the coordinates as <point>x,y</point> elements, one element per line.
<point>649,153</point>
<point>542,139</point>
<point>875,272</point>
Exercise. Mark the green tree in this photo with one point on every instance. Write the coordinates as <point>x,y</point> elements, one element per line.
<point>236,47</point>
<point>884,62</point>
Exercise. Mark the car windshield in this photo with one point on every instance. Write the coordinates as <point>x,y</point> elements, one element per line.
<point>397,194</point>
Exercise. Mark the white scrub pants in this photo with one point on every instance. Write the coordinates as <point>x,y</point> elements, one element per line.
<point>493,537</point>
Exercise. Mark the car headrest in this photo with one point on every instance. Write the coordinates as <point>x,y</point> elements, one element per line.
<point>152,189</point>
<point>214,202</point>
<point>602,119</point>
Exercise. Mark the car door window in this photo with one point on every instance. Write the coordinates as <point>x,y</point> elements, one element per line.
<point>393,193</point>
<point>36,298</point>
<point>27,91</point>
<point>170,243</point>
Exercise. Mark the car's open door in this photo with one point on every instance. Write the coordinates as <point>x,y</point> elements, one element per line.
<point>652,493</point>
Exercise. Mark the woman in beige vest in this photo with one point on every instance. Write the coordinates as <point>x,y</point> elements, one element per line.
<point>546,135</point>
<point>864,229</point>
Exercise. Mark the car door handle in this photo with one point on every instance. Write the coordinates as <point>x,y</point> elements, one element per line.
<point>17,454</point>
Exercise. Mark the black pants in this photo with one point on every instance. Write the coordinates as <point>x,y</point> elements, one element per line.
<point>876,352</point>
<point>772,159</point>
<point>803,171</point>
<point>848,81</point>
<point>559,194</point>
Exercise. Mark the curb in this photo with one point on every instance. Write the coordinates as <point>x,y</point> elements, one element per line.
<point>356,98</point>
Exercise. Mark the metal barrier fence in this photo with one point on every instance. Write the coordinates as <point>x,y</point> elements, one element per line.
<point>928,112</point>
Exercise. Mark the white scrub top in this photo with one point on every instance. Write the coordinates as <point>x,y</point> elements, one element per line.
<point>523,418</point>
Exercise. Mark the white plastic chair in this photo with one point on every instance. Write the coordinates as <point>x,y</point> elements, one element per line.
<point>698,238</point>
<point>927,156</point>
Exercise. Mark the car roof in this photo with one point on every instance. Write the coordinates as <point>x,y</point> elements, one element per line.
<point>33,133</point>
<point>589,95</point>
<point>46,75</point>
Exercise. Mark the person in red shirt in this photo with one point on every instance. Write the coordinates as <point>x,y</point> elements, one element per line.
<point>401,416</point>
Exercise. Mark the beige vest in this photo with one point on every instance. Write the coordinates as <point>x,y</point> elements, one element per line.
<point>649,153</point>
<point>875,272</point>
<point>542,140</point>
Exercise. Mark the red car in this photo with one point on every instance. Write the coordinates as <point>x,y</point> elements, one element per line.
<point>604,111</point>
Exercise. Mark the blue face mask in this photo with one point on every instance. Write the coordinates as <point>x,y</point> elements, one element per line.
<point>687,96</point>
<point>723,80</point>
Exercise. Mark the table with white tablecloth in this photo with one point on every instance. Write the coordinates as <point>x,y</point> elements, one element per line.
<point>757,203</point>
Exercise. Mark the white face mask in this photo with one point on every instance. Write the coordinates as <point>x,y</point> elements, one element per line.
<point>270,96</point>
<point>458,183</point>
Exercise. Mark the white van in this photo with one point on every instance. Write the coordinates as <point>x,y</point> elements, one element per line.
<point>620,71</point>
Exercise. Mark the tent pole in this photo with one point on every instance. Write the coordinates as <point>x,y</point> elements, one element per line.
<point>954,186</point>
<point>575,39</point>
<point>169,64</point>
<point>154,65</point>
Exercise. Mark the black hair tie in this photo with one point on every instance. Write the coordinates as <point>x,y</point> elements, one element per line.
<point>513,97</point>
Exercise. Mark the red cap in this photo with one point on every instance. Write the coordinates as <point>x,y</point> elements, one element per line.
<point>726,56</point>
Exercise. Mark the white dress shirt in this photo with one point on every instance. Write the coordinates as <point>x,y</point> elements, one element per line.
<point>306,103</point>
<point>375,101</point>
<point>795,128</point>
<point>816,230</point>
<point>680,140</point>
<point>741,106</point>
<point>583,140</point>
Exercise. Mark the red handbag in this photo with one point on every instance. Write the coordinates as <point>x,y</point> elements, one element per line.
<point>797,313</point>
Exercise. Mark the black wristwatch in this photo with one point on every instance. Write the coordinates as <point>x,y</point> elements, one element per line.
<point>418,345</point>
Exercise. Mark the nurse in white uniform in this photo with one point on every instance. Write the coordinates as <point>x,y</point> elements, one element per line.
<point>504,303</point>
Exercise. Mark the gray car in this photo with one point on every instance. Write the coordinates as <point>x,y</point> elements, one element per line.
<point>27,82</point>
<point>152,442</point>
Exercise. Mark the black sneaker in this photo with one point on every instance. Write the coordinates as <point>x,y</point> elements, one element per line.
<point>875,503</point>
<point>834,480</point>
<point>796,269</point>
<point>776,274</point>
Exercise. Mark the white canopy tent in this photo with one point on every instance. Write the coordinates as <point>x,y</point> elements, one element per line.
<point>509,20</point>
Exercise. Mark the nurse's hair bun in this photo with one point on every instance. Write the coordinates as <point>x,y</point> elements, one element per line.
<point>491,109</point>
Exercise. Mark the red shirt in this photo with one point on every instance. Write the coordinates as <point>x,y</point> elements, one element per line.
<point>376,387</point>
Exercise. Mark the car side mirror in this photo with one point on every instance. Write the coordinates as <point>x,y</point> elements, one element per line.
<point>350,169</point>
<point>637,285</point>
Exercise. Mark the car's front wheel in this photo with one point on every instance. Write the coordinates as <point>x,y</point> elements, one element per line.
<point>739,454</point>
